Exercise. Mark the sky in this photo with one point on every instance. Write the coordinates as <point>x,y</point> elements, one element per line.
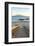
<point>21,11</point>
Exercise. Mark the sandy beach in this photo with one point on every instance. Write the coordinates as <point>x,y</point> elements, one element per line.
<point>22,30</point>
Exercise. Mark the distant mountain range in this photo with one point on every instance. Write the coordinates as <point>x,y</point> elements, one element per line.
<point>19,17</point>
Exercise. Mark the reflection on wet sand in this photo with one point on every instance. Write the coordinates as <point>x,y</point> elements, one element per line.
<point>20,29</point>
<point>14,30</point>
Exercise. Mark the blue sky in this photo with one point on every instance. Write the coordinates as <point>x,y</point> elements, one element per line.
<point>21,9</point>
<point>17,10</point>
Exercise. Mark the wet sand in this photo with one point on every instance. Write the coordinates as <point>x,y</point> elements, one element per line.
<point>23,30</point>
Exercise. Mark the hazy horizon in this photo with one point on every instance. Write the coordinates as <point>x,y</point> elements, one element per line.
<point>17,17</point>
